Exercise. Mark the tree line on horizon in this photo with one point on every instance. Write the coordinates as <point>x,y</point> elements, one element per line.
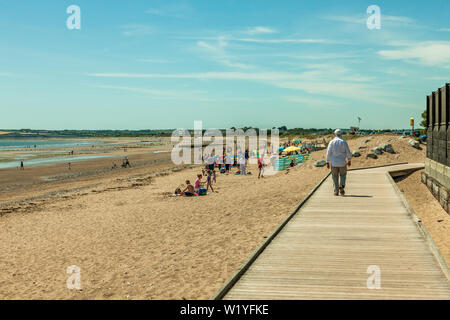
<point>283,131</point>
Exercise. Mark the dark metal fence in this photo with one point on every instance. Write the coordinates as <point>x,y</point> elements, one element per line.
<point>438,129</point>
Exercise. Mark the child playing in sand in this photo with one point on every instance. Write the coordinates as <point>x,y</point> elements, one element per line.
<point>261,167</point>
<point>209,181</point>
<point>189,190</point>
<point>198,182</point>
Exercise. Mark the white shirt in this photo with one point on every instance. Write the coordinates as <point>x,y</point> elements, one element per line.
<point>337,151</point>
<point>273,157</point>
<point>210,160</point>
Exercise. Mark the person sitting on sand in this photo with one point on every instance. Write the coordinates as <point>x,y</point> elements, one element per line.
<point>189,190</point>
<point>198,182</point>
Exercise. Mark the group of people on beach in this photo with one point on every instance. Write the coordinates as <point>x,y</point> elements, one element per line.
<point>200,187</point>
<point>125,163</point>
<point>224,163</point>
<point>338,158</point>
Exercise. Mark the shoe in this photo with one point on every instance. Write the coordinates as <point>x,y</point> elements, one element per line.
<point>342,191</point>
<point>336,193</point>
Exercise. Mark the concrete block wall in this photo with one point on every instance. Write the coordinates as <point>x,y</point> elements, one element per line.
<point>440,192</point>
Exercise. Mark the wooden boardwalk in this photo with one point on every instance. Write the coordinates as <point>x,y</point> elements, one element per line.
<point>325,250</point>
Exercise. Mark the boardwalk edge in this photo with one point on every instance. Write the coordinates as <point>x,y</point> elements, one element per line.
<point>428,239</point>
<point>257,252</point>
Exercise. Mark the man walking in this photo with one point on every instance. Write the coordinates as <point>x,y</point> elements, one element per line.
<point>338,156</point>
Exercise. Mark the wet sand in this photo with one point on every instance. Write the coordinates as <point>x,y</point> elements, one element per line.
<point>35,181</point>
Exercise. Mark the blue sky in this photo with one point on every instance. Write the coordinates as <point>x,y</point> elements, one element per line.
<point>163,64</point>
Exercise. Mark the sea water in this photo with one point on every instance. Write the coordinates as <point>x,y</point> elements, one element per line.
<point>30,143</point>
<point>44,161</point>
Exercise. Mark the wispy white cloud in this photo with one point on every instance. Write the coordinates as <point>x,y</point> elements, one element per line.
<point>444,29</point>
<point>154,11</point>
<point>430,53</point>
<point>395,72</point>
<point>156,61</point>
<point>398,19</point>
<point>317,102</point>
<point>178,10</point>
<point>137,29</point>
<point>283,40</point>
<point>217,51</point>
<point>260,30</point>
<point>167,94</point>
<point>324,80</point>
<point>438,78</point>
<point>232,75</point>
<point>313,72</point>
<point>318,56</point>
<point>362,19</point>
<point>260,40</point>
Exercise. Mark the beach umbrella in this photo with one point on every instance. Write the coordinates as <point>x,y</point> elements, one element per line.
<point>291,149</point>
<point>280,148</point>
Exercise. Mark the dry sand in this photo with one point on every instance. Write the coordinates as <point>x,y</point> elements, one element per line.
<point>428,209</point>
<point>132,240</point>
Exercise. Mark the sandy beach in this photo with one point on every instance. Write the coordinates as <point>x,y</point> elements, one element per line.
<point>428,209</point>
<point>133,240</point>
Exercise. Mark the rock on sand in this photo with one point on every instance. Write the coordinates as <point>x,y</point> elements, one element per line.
<point>414,143</point>
<point>321,163</point>
<point>377,150</point>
